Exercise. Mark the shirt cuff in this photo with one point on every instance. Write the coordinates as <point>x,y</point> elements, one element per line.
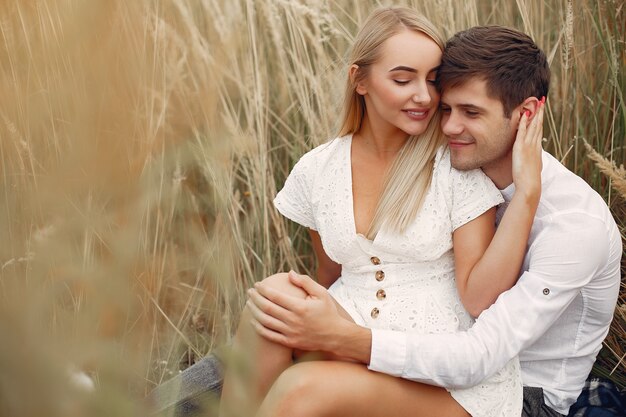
<point>388,352</point>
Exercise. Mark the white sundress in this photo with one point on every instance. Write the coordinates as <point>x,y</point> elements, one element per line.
<point>400,282</point>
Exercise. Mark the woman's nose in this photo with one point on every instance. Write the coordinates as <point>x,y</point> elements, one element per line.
<point>421,95</point>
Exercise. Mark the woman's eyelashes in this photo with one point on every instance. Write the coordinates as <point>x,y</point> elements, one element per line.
<point>405,81</point>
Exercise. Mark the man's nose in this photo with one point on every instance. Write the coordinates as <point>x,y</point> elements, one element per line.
<point>450,125</point>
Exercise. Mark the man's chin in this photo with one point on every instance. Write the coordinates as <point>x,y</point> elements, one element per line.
<point>462,164</point>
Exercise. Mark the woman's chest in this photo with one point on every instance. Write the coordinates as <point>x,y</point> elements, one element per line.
<point>367,188</point>
<point>428,236</point>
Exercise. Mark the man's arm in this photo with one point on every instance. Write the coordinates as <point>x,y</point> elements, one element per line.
<point>562,262</point>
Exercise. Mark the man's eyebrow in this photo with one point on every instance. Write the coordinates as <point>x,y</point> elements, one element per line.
<point>470,107</point>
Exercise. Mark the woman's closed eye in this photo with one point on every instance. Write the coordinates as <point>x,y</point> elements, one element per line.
<point>403,81</point>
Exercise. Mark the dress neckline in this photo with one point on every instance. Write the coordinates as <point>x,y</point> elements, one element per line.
<point>348,160</point>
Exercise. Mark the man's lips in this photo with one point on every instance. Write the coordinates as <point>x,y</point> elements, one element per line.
<point>457,144</point>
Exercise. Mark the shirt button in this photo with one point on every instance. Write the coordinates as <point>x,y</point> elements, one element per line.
<point>375,312</point>
<point>375,260</point>
<point>381,294</point>
<point>380,275</point>
<point>546,291</point>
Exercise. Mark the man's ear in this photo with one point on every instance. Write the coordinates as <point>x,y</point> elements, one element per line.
<point>354,78</point>
<point>531,105</point>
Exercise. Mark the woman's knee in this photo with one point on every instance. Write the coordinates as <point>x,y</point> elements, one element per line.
<point>281,282</point>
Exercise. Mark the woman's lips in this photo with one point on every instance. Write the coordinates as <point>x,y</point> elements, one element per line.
<point>416,114</point>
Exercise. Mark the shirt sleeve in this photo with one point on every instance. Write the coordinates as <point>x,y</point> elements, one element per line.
<point>294,200</point>
<point>561,263</point>
<point>473,193</point>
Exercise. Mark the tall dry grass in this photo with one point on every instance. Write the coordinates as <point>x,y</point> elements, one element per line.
<point>142,143</point>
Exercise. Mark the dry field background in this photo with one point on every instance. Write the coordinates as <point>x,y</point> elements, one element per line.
<point>141,144</point>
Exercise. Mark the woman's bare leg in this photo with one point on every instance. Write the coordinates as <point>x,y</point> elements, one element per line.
<point>256,362</point>
<point>343,389</point>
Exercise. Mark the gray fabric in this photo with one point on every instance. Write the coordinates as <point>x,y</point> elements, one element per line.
<point>534,405</point>
<point>193,392</point>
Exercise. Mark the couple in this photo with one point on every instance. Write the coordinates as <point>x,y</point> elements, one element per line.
<point>387,202</point>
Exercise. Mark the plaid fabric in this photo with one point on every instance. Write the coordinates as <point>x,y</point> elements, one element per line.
<point>599,398</point>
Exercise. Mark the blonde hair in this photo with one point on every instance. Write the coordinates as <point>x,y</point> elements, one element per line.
<point>410,174</point>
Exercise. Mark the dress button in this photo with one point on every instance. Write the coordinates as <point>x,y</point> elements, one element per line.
<point>375,312</point>
<point>380,275</point>
<point>381,294</point>
<point>375,260</point>
<point>546,291</point>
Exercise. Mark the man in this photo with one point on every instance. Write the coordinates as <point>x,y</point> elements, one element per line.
<point>558,313</point>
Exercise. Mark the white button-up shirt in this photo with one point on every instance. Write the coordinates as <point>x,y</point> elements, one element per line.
<point>556,316</point>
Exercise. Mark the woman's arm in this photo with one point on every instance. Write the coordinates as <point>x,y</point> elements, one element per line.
<point>487,267</point>
<point>327,270</point>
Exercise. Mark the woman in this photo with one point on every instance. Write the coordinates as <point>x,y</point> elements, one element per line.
<point>384,208</point>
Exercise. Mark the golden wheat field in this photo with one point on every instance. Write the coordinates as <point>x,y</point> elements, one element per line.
<point>141,145</point>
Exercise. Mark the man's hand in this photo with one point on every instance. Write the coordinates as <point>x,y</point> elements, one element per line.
<point>310,323</point>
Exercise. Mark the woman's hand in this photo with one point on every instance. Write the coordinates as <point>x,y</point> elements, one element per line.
<point>527,155</point>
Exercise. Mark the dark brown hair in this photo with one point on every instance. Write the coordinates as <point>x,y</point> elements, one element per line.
<point>508,60</point>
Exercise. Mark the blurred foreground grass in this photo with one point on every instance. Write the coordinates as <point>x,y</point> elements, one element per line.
<point>142,142</point>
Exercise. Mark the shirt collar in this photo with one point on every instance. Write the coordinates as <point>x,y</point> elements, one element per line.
<point>507,193</point>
